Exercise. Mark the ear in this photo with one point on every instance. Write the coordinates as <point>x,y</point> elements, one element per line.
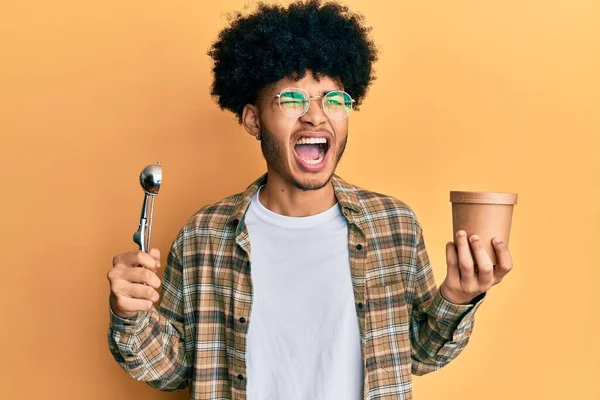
<point>251,120</point>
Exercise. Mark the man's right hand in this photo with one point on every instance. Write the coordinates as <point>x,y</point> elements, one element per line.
<point>132,288</point>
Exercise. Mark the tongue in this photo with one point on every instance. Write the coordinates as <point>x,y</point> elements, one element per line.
<point>308,151</point>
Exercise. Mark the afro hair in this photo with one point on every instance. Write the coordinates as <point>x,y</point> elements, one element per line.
<point>276,42</point>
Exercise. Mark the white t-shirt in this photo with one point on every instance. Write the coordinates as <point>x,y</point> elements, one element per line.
<point>303,336</point>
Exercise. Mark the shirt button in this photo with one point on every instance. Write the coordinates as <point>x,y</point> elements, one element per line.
<point>241,377</point>
<point>360,306</point>
<point>359,247</point>
<point>242,320</point>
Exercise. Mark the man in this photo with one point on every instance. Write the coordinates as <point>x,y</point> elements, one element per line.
<point>303,286</point>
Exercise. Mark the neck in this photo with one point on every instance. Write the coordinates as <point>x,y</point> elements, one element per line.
<point>282,197</point>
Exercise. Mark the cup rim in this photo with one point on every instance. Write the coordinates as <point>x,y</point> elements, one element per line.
<point>474,197</point>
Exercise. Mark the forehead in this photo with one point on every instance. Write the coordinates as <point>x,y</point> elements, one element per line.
<point>311,85</point>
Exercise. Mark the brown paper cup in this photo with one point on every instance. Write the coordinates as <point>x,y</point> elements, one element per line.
<point>487,214</point>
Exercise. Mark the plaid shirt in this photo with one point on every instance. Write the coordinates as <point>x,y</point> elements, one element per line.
<point>197,337</point>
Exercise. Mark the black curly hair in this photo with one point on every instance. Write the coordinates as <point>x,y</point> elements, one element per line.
<point>276,42</point>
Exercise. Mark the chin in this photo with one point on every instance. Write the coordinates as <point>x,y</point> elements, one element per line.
<point>315,182</point>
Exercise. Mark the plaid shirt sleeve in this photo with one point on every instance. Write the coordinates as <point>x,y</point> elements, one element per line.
<point>440,330</point>
<point>150,346</point>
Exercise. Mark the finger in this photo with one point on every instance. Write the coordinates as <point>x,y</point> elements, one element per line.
<point>453,274</point>
<point>155,253</point>
<point>504,260</point>
<point>141,275</point>
<point>465,261</point>
<point>130,304</point>
<point>137,259</point>
<point>485,269</point>
<point>142,292</point>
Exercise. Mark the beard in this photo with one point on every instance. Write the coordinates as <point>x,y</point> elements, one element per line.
<point>274,151</point>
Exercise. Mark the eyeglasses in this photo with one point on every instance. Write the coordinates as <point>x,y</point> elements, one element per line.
<point>294,102</point>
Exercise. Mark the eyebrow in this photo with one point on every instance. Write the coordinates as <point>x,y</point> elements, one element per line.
<point>325,92</point>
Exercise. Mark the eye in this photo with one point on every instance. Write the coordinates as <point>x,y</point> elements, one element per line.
<point>292,102</point>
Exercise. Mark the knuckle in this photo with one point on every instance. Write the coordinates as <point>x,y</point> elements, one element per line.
<point>113,274</point>
<point>147,275</point>
<point>486,268</point>
<point>506,267</point>
<point>139,256</point>
<point>116,260</point>
<point>115,288</point>
<point>110,275</point>
<point>149,292</point>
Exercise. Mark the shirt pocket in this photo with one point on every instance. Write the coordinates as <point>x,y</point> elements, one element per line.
<point>389,325</point>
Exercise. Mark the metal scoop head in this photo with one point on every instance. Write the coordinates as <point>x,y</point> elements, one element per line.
<point>150,178</point>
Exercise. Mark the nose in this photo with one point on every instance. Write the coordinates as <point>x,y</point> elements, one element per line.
<point>315,114</point>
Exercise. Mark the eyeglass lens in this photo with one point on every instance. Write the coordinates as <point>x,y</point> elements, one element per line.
<point>295,103</point>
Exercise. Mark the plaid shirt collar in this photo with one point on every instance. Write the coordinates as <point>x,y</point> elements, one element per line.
<point>345,194</point>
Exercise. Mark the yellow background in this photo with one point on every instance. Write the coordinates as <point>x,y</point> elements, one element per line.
<point>471,95</point>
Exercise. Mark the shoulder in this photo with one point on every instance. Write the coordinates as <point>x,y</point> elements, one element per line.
<point>215,216</point>
<point>209,226</point>
<point>219,220</point>
<point>375,206</point>
<point>383,203</point>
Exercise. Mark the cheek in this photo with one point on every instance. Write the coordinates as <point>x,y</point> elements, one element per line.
<point>285,127</point>
<point>278,125</point>
<point>340,130</point>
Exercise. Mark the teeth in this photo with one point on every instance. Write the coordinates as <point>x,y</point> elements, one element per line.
<point>313,162</point>
<point>311,141</point>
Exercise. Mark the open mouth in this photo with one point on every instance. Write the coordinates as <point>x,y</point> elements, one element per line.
<point>311,151</point>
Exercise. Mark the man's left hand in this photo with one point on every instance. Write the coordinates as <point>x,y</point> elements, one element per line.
<point>466,278</point>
